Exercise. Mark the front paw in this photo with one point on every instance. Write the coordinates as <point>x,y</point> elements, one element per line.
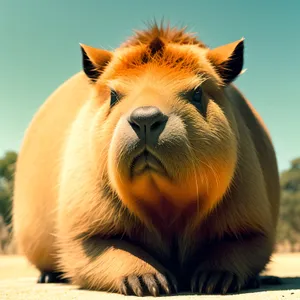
<point>216,282</point>
<point>51,277</point>
<point>154,284</point>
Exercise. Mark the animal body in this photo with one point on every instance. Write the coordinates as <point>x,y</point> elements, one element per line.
<point>149,172</point>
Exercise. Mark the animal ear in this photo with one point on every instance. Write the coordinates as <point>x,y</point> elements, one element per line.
<point>94,61</point>
<point>228,60</point>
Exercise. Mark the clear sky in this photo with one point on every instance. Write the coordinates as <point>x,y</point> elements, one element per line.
<point>40,49</point>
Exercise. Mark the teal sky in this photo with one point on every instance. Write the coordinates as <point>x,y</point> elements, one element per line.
<point>40,49</point>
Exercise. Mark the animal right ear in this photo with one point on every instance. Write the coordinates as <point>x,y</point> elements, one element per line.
<point>228,60</point>
<point>94,61</point>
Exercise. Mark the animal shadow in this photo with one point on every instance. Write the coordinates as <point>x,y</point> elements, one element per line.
<point>268,283</point>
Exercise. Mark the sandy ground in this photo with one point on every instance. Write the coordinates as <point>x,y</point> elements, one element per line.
<point>18,281</point>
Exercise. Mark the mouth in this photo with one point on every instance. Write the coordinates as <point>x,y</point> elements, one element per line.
<point>146,162</point>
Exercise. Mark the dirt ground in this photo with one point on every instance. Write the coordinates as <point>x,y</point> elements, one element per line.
<point>18,281</point>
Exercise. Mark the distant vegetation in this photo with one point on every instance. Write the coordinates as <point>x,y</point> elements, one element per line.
<point>288,237</point>
<point>289,223</point>
<point>7,169</point>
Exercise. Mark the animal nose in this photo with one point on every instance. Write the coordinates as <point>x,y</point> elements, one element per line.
<point>148,122</point>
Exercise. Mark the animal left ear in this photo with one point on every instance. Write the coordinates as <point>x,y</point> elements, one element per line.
<point>228,60</point>
<point>94,61</point>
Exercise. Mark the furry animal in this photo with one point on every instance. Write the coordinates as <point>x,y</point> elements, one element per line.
<point>149,172</point>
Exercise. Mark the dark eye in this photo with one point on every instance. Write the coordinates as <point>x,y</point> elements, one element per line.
<point>197,99</point>
<point>197,95</point>
<point>114,97</point>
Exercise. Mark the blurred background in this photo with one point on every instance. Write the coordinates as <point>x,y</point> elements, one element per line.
<point>40,50</point>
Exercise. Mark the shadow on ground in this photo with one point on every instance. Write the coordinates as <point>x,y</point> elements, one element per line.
<point>18,281</point>
<point>287,284</point>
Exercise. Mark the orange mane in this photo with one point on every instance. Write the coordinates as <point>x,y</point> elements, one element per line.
<point>166,33</point>
<point>164,46</point>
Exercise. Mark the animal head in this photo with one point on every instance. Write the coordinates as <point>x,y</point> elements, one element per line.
<point>164,129</point>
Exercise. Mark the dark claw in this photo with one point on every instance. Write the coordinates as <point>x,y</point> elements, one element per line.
<point>123,287</point>
<point>147,284</point>
<point>163,282</point>
<point>215,282</point>
<point>151,284</point>
<point>201,282</point>
<point>154,291</point>
<point>228,278</point>
<point>236,285</point>
<point>51,277</point>
<point>171,278</point>
<point>134,283</point>
<point>212,282</point>
<point>193,282</point>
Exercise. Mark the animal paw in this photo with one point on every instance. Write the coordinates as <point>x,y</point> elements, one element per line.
<point>148,284</point>
<point>51,277</point>
<point>215,282</point>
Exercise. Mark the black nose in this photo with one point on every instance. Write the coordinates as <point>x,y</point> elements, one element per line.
<point>148,122</point>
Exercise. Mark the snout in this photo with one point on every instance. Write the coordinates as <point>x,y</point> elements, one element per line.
<point>147,140</point>
<point>148,122</point>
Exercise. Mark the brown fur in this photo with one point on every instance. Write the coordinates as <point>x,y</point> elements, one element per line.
<point>78,210</point>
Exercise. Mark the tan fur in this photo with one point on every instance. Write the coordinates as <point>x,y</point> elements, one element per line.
<point>74,198</point>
